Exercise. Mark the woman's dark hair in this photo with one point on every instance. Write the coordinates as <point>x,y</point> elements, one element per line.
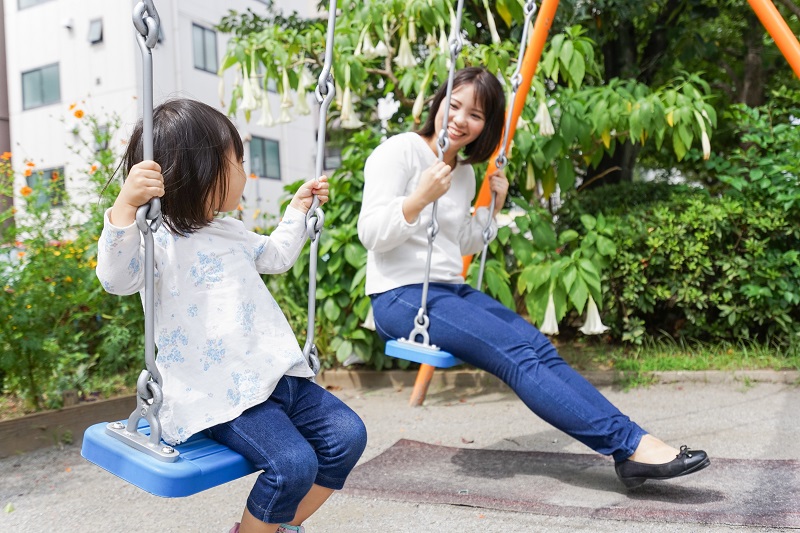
<point>490,96</point>
<point>192,143</point>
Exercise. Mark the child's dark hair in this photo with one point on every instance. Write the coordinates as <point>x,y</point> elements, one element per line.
<point>192,142</point>
<point>490,96</point>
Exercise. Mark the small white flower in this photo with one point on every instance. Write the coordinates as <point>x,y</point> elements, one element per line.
<point>412,29</point>
<point>550,324</point>
<point>704,140</point>
<point>544,121</point>
<point>419,102</point>
<point>593,324</point>
<point>405,58</point>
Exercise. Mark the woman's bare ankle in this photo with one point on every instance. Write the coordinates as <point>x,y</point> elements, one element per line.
<point>652,450</point>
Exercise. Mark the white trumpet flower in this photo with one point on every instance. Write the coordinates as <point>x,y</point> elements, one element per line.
<point>349,119</point>
<point>419,102</point>
<point>249,95</point>
<point>302,90</point>
<point>285,117</point>
<point>550,324</point>
<point>286,96</point>
<point>593,324</point>
<point>221,91</point>
<point>381,50</point>
<point>412,29</point>
<point>367,48</point>
<point>369,322</point>
<point>405,58</point>
<point>544,121</point>
<point>704,140</point>
<point>530,181</point>
<point>266,119</point>
<point>492,27</point>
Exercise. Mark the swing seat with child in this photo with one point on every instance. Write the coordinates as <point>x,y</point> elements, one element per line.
<point>132,449</point>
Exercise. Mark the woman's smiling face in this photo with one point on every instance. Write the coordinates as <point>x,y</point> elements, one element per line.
<point>466,119</point>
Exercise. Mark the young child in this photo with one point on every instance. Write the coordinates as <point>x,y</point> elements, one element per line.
<point>230,363</point>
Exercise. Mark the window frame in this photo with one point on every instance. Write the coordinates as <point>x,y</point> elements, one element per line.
<point>264,142</point>
<point>205,31</point>
<point>23,74</point>
<point>99,39</point>
<point>32,3</point>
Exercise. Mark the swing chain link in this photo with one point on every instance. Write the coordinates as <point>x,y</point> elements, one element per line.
<point>148,25</point>
<point>502,158</point>
<point>315,217</point>
<point>442,146</point>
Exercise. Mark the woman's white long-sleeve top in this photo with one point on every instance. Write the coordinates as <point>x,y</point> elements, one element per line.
<point>223,342</point>
<point>396,249</point>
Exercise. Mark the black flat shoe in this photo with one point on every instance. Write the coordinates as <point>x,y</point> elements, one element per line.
<point>633,474</point>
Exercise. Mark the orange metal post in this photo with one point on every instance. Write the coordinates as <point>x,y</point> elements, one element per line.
<point>544,20</point>
<point>786,40</point>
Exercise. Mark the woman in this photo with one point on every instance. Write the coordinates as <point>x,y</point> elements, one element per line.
<point>403,177</point>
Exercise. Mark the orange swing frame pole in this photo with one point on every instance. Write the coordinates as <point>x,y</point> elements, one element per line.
<point>779,31</point>
<point>541,29</point>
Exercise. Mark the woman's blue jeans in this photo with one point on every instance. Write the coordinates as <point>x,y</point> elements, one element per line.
<point>481,331</point>
<point>302,435</point>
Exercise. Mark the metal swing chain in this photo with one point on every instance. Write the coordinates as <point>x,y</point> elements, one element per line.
<point>315,218</point>
<point>421,322</point>
<point>148,219</point>
<point>502,159</point>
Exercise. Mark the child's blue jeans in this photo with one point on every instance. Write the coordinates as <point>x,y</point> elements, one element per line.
<point>302,435</point>
<point>481,331</point>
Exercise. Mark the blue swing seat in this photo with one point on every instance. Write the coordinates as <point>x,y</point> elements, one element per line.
<point>203,463</point>
<point>419,353</point>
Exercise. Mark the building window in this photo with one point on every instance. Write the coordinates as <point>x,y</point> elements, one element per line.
<point>48,185</point>
<point>40,87</point>
<point>29,3</point>
<point>96,31</point>
<point>265,159</point>
<point>205,48</point>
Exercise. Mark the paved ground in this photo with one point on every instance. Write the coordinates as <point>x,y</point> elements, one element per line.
<point>55,491</point>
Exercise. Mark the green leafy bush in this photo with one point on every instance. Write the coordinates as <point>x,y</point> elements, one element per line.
<point>61,330</point>
<point>723,267</point>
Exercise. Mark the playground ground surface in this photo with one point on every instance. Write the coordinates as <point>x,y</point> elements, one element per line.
<point>474,459</point>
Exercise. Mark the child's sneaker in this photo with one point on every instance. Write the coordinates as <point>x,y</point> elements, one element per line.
<point>286,528</point>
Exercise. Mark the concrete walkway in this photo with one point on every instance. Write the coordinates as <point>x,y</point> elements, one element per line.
<point>55,490</point>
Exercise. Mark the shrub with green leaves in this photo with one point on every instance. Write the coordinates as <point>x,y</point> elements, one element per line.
<point>711,267</point>
<point>61,330</point>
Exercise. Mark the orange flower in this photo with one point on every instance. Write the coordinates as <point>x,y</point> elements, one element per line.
<point>20,254</point>
<point>30,163</point>
<point>54,176</point>
<point>78,113</point>
<point>93,169</point>
<point>72,106</point>
<point>27,172</point>
<point>25,191</point>
<point>253,176</point>
<point>239,207</point>
<point>6,156</point>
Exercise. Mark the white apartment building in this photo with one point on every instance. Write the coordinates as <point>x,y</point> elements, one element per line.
<point>84,52</point>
